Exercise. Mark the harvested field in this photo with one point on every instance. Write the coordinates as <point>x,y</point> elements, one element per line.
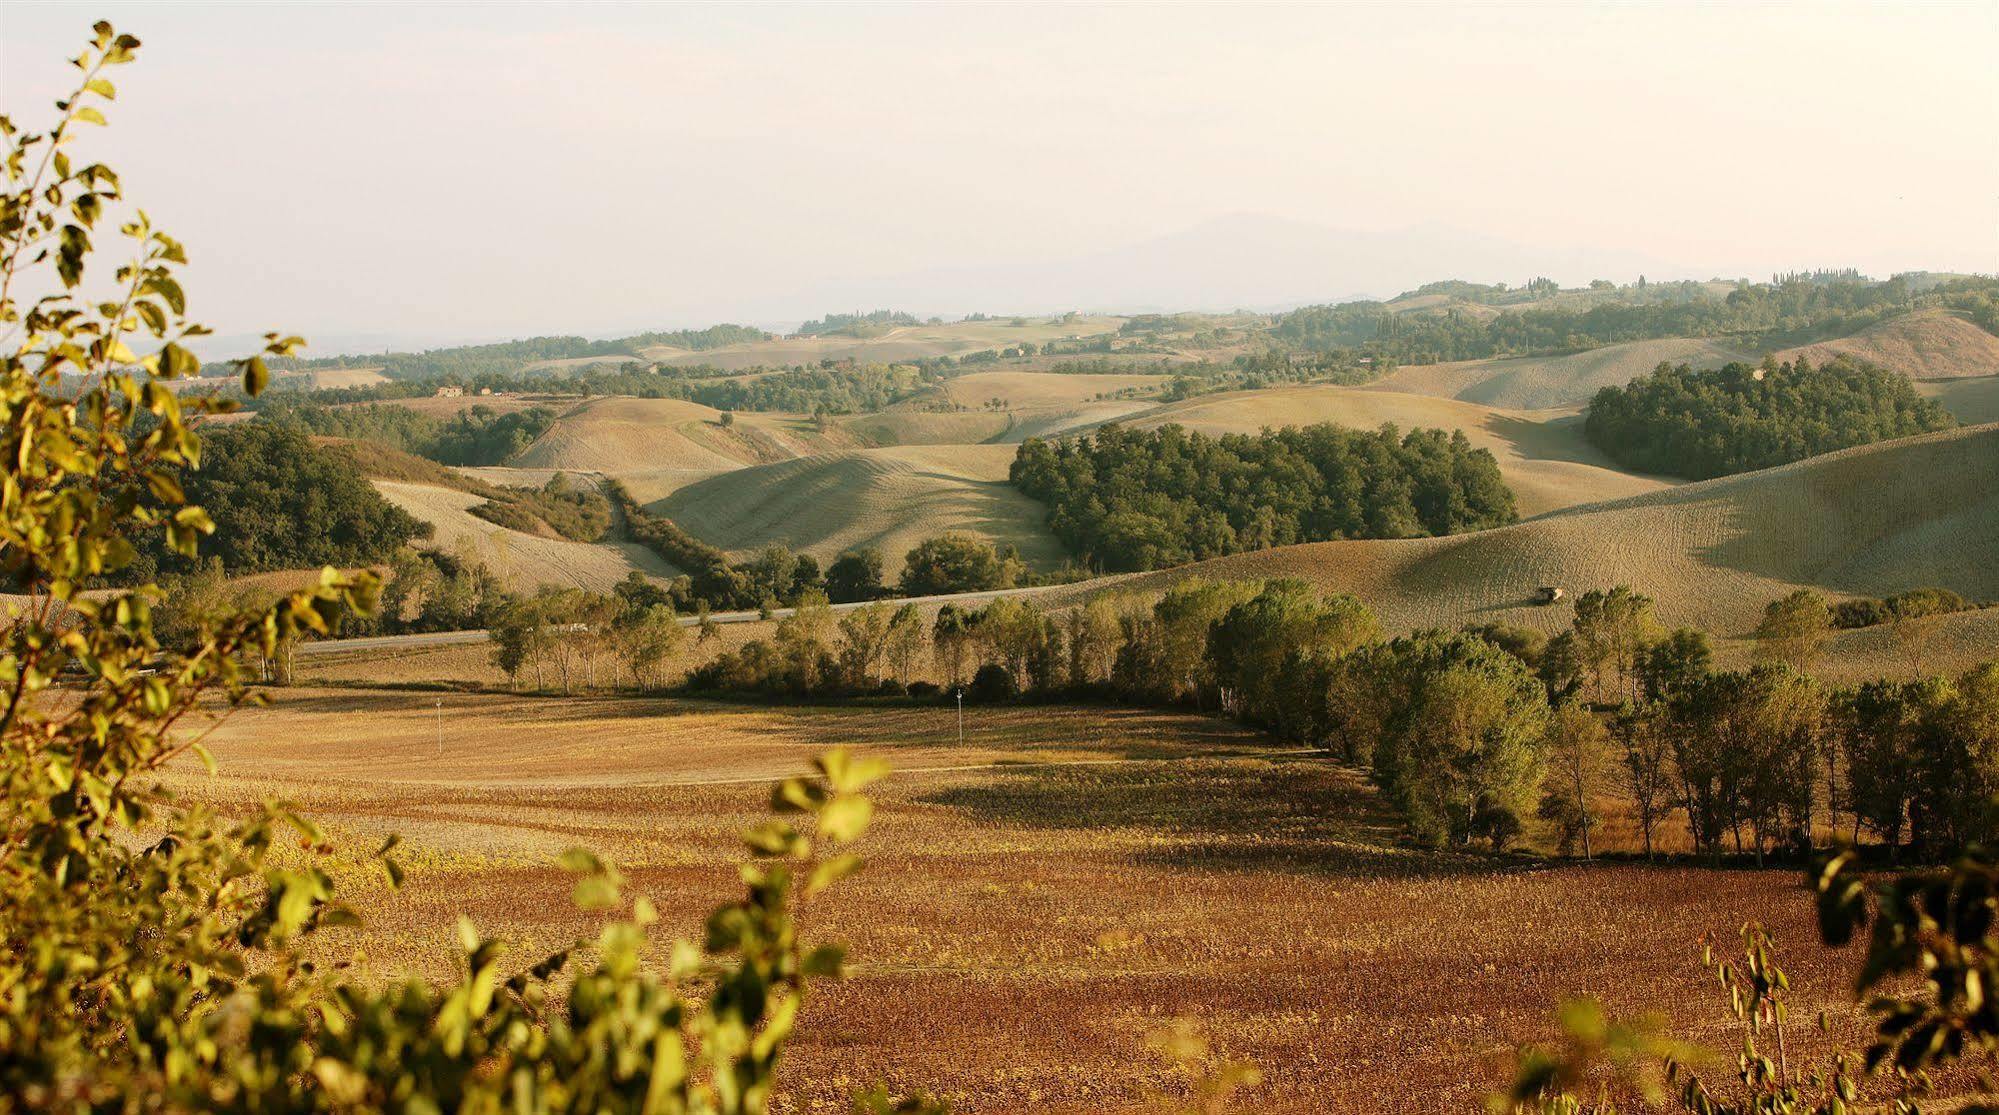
<point>1926,344</point>
<point>1542,454</point>
<point>1916,512</point>
<point>1033,923</point>
<point>447,405</point>
<point>1540,382</point>
<point>522,561</point>
<point>890,499</point>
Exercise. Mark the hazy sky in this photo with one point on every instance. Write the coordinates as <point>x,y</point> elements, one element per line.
<point>487,170</point>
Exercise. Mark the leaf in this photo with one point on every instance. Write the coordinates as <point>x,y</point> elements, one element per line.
<point>89,115</point>
<point>594,892</point>
<point>845,818</point>
<point>256,376</point>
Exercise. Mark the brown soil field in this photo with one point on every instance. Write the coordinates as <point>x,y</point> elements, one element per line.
<point>446,406</point>
<point>1971,400</point>
<point>1540,382</point>
<point>1916,512</point>
<point>925,427</point>
<point>1037,901</point>
<point>522,560</point>
<point>1927,344</point>
<point>1542,454</point>
<point>889,499</point>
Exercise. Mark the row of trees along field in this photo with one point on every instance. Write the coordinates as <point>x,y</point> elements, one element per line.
<point>1127,500</point>
<point>1474,734</point>
<point>1680,422</point>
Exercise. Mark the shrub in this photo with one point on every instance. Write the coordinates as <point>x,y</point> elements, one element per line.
<point>992,684</point>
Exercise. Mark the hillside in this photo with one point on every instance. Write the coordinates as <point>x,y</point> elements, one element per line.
<point>1542,454</point>
<point>1540,382</point>
<point>523,561</point>
<point>1874,520</point>
<point>625,434</point>
<point>1927,344</point>
<point>890,499</point>
<point>1971,400</point>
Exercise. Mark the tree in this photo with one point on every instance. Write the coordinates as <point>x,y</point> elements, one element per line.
<point>155,953</point>
<point>952,563</point>
<point>951,642</point>
<point>1612,630</point>
<point>1250,643</point>
<point>645,638</point>
<point>1648,765</point>
<point>1092,631</point>
<point>1578,750</point>
<point>854,576</point>
<point>1464,757</point>
<point>1794,630</point>
<point>864,640</point>
<point>905,641</point>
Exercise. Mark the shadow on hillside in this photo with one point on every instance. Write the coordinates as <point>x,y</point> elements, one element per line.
<point>1304,816</point>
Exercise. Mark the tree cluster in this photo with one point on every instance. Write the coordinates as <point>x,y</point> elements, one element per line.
<point>1680,422</point>
<point>1128,500</point>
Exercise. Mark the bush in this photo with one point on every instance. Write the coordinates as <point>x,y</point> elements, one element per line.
<point>991,685</point>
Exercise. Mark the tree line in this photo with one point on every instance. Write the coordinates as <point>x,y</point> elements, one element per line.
<point>1473,734</point>
<point>1680,422</point>
<point>1791,309</point>
<point>1128,500</point>
<point>477,435</point>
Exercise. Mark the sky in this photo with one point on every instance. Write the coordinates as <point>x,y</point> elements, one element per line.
<point>411,173</point>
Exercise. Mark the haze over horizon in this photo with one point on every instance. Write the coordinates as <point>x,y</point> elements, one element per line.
<point>414,178</point>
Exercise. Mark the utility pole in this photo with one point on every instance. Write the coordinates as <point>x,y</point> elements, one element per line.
<point>961,716</point>
<point>440,725</point>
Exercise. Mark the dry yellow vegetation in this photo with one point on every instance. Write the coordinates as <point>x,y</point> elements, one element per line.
<point>889,499</point>
<point>1542,454</point>
<point>523,561</point>
<point>1541,382</point>
<point>1916,512</point>
<point>1036,903</point>
<point>1927,344</point>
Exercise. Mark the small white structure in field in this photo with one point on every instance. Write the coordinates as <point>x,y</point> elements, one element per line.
<point>1548,594</point>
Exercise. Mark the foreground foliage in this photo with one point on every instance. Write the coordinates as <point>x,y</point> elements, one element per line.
<point>157,956</point>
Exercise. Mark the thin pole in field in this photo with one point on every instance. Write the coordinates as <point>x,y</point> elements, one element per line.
<point>440,725</point>
<point>961,716</point>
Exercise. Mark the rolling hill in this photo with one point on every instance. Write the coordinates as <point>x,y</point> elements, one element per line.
<point>1541,382</point>
<point>890,499</point>
<point>620,434</point>
<point>1926,344</point>
<point>1868,521</point>
<point>523,561</point>
<point>1971,400</point>
<point>1542,454</point>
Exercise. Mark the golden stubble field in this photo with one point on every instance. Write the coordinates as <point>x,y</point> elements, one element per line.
<point>1038,901</point>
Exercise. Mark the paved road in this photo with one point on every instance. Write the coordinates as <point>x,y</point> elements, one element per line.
<point>460,638</point>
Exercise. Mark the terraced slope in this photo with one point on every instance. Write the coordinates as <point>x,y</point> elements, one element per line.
<point>1873,520</point>
<point>1542,454</point>
<point>1928,344</point>
<point>1540,382</point>
<point>890,499</point>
